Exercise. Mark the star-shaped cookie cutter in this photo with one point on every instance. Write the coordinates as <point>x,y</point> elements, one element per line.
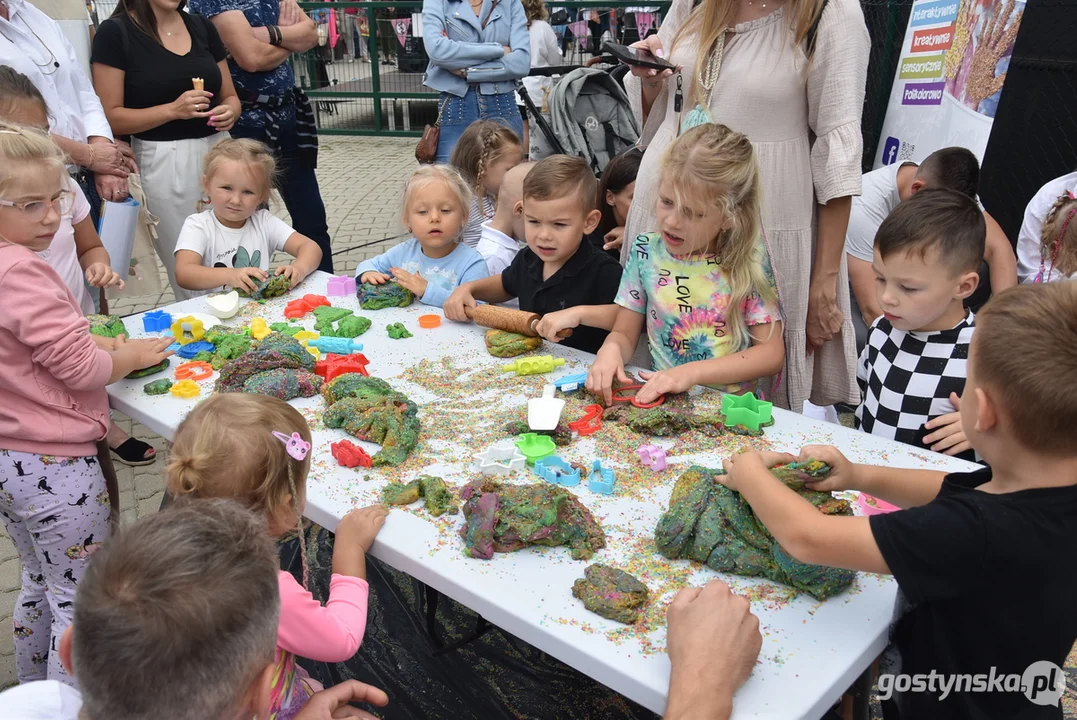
<point>504,458</point>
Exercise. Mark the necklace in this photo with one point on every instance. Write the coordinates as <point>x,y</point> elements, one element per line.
<point>52,64</point>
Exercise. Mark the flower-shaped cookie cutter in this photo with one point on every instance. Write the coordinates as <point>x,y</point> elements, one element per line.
<point>185,389</point>
<point>196,370</point>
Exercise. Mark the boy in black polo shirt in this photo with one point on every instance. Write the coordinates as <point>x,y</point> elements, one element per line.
<point>984,560</point>
<point>557,270</point>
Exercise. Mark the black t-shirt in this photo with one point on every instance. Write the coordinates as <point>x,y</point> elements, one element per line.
<point>984,581</point>
<point>155,76</point>
<point>589,277</point>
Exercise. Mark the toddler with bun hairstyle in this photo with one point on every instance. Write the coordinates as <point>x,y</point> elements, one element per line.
<point>256,450</point>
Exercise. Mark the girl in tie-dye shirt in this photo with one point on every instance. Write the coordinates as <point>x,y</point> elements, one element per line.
<point>702,285</point>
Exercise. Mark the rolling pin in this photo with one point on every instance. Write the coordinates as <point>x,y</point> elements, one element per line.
<point>509,320</point>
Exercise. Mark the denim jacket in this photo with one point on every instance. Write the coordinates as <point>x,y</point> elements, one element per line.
<point>455,40</point>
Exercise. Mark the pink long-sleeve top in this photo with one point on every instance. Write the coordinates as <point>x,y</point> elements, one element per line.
<point>52,375</point>
<point>327,633</point>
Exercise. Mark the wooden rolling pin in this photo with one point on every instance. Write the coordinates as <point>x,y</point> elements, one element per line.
<point>509,320</point>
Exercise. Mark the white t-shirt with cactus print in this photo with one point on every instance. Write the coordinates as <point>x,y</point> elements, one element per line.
<point>252,245</point>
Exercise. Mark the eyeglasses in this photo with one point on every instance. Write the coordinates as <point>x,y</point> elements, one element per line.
<point>36,210</point>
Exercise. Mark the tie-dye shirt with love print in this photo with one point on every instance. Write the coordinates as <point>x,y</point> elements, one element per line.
<point>686,301</point>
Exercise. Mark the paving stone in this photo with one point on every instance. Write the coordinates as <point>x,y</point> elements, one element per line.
<point>10,577</point>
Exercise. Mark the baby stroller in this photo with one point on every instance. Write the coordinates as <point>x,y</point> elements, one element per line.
<point>589,116</point>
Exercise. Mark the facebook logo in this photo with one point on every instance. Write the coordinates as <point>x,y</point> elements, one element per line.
<point>890,150</point>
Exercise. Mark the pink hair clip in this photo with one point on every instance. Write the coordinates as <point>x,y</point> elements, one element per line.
<point>296,446</point>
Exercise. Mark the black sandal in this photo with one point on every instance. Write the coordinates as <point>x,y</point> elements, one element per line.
<point>133,452</point>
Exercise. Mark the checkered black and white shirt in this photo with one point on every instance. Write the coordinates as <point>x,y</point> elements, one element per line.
<point>906,379</point>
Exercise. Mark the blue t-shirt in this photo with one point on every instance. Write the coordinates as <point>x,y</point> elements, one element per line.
<point>442,275</point>
<point>275,82</point>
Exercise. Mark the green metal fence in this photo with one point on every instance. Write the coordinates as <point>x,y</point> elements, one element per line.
<point>372,83</point>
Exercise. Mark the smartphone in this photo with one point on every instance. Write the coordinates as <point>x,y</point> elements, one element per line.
<point>637,56</point>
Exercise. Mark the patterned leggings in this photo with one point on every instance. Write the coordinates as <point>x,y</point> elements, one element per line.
<point>56,510</point>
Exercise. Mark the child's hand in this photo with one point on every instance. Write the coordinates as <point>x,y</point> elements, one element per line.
<point>458,302</point>
<point>105,343</point>
<point>843,475</point>
<point>949,438</point>
<point>555,322</point>
<point>374,278</point>
<point>359,527</point>
<point>100,275</point>
<point>294,274</point>
<point>742,467</point>
<point>143,353</point>
<point>410,281</point>
<point>607,367</point>
<point>246,278</point>
<point>664,382</point>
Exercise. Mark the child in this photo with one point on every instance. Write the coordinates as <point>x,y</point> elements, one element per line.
<point>76,252</point>
<point>953,168</point>
<point>702,284</point>
<point>1058,244</point>
<point>256,449</point>
<point>53,407</point>
<point>230,244</point>
<point>503,237</point>
<point>557,269</point>
<point>615,194</point>
<point>483,154</point>
<point>1031,237</point>
<point>985,579</point>
<point>433,262</point>
<point>913,368</point>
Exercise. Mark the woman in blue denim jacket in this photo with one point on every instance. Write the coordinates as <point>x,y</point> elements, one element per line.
<point>478,50</point>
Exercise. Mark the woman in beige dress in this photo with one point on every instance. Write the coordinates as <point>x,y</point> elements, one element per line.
<point>803,117</point>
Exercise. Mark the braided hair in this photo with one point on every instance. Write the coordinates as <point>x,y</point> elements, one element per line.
<point>1058,245</point>
<point>482,144</point>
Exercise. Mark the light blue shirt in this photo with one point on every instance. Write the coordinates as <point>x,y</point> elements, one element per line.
<point>455,40</point>
<point>442,275</point>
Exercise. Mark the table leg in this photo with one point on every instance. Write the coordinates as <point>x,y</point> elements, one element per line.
<point>480,629</point>
<point>861,692</point>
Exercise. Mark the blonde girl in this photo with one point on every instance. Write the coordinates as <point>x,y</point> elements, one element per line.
<point>1058,245</point>
<point>433,262</point>
<point>256,450</point>
<point>230,244</point>
<point>702,283</point>
<point>53,407</point>
<point>483,155</point>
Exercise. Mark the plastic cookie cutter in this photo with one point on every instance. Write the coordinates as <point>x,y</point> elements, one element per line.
<point>746,410</point>
<point>534,446</point>
<point>197,370</point>
<point>504,458</point>
<point>874,506</point>
<point>350,455</point>
<point>653,457</point>
<point>533,365</point>
<point>554,470</point>
<point>301,306</point>
<point>333,366</point>
<point>589,423</point>
<point>224,306</point>
<point>185,325</point>
<point>601,480</point>
<point>339,286</point>
<point>569,383</point>
<point>304,335</point>
<point>618,397</point>
<point>429,321</point>
<point>189,350</point>
<point>156,321</point>
<point>185,389</point>
<point>336,345</point>
<point>259,329</point>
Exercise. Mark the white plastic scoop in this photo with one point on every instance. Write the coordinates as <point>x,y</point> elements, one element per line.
<point>545,412</point>
<point>224,306</point>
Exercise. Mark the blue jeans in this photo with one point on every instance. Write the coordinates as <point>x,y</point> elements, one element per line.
<point>459,112</point>
<point>298,187</point>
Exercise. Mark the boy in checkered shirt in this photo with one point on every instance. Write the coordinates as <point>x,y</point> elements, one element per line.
<point>912,371</point>
<point>983,560</point>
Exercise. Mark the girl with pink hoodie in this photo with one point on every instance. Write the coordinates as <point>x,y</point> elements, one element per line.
<point>53,407</point>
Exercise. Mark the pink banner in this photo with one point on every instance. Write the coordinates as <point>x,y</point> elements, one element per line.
<point>401,26</point>
<point>334,36</point>
<point>644,22</point>
<point>579,31</point>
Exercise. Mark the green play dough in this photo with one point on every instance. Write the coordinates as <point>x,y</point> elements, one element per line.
<point>163,365</point>
<point>271,288</point>
<point>339,322</point>
<point>504,344</point>
<point>157,387</point>
<point>397,331</point>
<point>106,325</point>
<point>283,327</point>
<point>379,297</point>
